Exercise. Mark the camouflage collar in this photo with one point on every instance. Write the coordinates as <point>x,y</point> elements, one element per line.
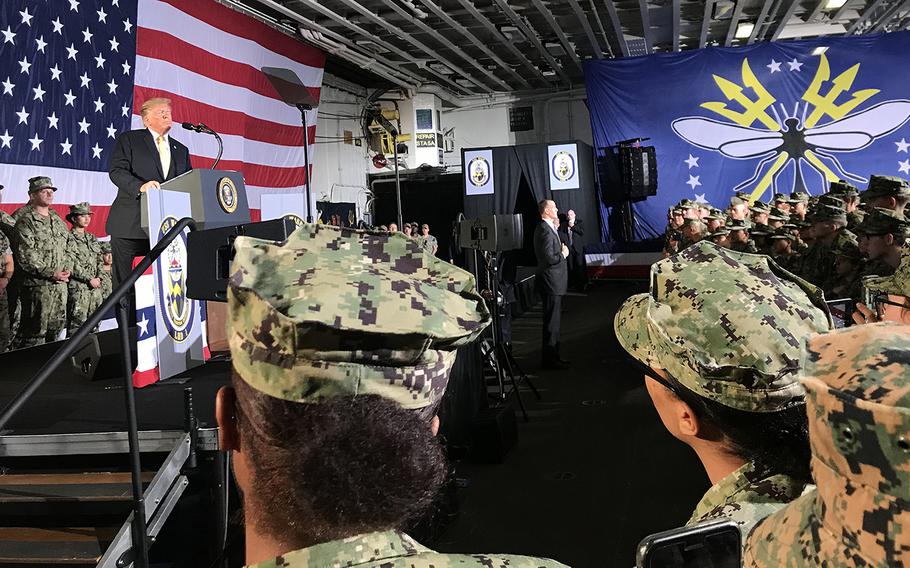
<point>371,549</point>
<point>746,496</point>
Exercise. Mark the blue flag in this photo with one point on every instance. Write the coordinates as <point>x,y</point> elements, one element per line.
<point>763,119</point>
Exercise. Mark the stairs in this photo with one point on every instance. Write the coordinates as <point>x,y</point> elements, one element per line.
<point>61,519</point>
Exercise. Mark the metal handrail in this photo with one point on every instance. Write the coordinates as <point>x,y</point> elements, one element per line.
<point>117,301</point>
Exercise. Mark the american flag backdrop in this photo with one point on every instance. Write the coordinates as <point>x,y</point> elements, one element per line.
<point>75,72</point>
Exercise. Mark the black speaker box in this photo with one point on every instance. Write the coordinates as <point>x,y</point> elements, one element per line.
<point>98,357</point>
<point>211,251</point>
<point>639,171</point>
<point>494,432</point>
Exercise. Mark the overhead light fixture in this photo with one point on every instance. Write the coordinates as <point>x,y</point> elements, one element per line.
<point>819,50</point>
<point>834,4</point>
<point>744,30</point>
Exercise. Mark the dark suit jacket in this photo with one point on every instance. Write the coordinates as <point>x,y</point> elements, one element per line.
<point>578,230</point>
<point>135,161</point>
<point>552,270</point>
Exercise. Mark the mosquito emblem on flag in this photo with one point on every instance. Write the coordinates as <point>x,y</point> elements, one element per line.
<point>793,137</point>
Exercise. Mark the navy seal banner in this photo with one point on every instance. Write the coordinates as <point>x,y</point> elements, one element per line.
<point>764,118</point>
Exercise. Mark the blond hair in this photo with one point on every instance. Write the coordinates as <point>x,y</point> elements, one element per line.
<point>153,102</point>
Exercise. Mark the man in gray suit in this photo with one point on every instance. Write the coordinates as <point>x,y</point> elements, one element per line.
<point>551,281</point>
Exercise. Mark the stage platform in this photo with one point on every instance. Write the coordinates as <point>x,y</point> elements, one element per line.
<point>73,415</point>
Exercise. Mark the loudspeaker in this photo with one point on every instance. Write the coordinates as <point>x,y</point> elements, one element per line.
<point>494,433</point>
<point>493,233</point>
<point>211,251</point>
<point>99,357</point>
<point>639,171</point>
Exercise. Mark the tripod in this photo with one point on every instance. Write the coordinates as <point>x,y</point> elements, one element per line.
<point>495,354</point>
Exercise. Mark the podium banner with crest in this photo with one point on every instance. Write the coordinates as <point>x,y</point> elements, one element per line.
<point>477,166</point>
<point>563,166</point>
<point>178,321</point>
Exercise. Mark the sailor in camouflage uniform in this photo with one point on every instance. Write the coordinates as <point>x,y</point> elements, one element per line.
<point>107,263</point>
<point>882,235</point>
<point>342,342</point>
<point>84,287</point>
<point>6,272</point>
<point>720,334</point>
<point>740,240</point>
<point>829,232</point>
<point>44,264</point>
<point>888,192</point>
<point>858,400</point>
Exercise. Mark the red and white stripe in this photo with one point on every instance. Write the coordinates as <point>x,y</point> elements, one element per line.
<point>206,58</point>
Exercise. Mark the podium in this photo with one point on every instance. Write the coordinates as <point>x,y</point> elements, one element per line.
<point>217,198</point>
<point>171,334</point>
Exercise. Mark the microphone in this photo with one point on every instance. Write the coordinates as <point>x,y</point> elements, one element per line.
<point>190,126</point>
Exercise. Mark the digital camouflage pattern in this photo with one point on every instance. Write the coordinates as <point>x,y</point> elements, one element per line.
<point>5,330</point>
<point>107,283</point>
<point>899,282</point>
<point>82,298</point>
<point>41,242</point>
<point>879,221</point>
<point>886,186</point>
<point>728,326</point>
<point>393,549</point>
<point>858,400</point>
<point>334,312</point>
<point>747,496</point>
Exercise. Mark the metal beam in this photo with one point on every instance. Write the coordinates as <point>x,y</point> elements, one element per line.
<point>583,20</point>
<point>600,27</point>
<point>444,41</point>
<point>760,20</point>
<point>396,30</point>
<point>816,12</point>
<point>548,16</point>
<point>645,25</point>
<point>705,22</point>
<point>734,21</point>
<point>862,19</point>
<point>469,6</point>
<point>791,7</point>
<point>357,29</point>
<point>532,37</point>
<point>432,7</point>
<point>676,25</point>
<point>387,71</point>
<point>889,15</point>
<point>841,11</point>
<point>617,27</point>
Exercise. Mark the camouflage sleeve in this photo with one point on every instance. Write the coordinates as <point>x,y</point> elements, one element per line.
<point>81,265</point>
<point>32,258</point>
<point>5,249</point>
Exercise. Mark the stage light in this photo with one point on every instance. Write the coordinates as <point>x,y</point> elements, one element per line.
<point>834,4</point>
<point>744,30</point>
<point>819,50</point>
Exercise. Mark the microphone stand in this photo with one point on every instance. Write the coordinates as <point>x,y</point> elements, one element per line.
<point>220,147</point>
<point>306,157</point>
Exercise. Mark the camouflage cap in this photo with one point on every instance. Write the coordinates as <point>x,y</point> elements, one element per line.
<point>720,232</point>
<point>886,186</point>
<point>105,247</point>
<point>759,230</point>
<point>728,326</point>
<point>847,249</point>
<point>783,233</point>
<point>879,221</point>
<point>81,208</point>
<point>832,200</point>
<point>799,197</point>
<point>335,312</point>
<point>686,204</point>
<point>715,214</point>
<point>898,283</point>
<point>38,183</point>
<point>761,207</point>
<point>858,400</point>
<point>778,215</point>
<point>780,197</point>
<point>843,188</point>
<point>739,225</point>
<point>738,200</point>
<point>823,213</point>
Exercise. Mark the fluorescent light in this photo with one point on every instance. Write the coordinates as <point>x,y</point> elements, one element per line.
<point>834,4</point>
<point>744,30</point>
<point>819,50</point>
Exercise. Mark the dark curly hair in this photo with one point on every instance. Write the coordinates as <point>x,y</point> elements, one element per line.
<point>336,468</point>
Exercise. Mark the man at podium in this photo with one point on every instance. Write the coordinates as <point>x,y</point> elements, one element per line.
<point>141,160</point>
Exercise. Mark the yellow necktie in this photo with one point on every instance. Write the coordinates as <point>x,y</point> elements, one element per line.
<point>164,152</point>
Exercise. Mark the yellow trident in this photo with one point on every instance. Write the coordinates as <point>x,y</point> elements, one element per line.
<point>753,110</point>
<point>825,104</point>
